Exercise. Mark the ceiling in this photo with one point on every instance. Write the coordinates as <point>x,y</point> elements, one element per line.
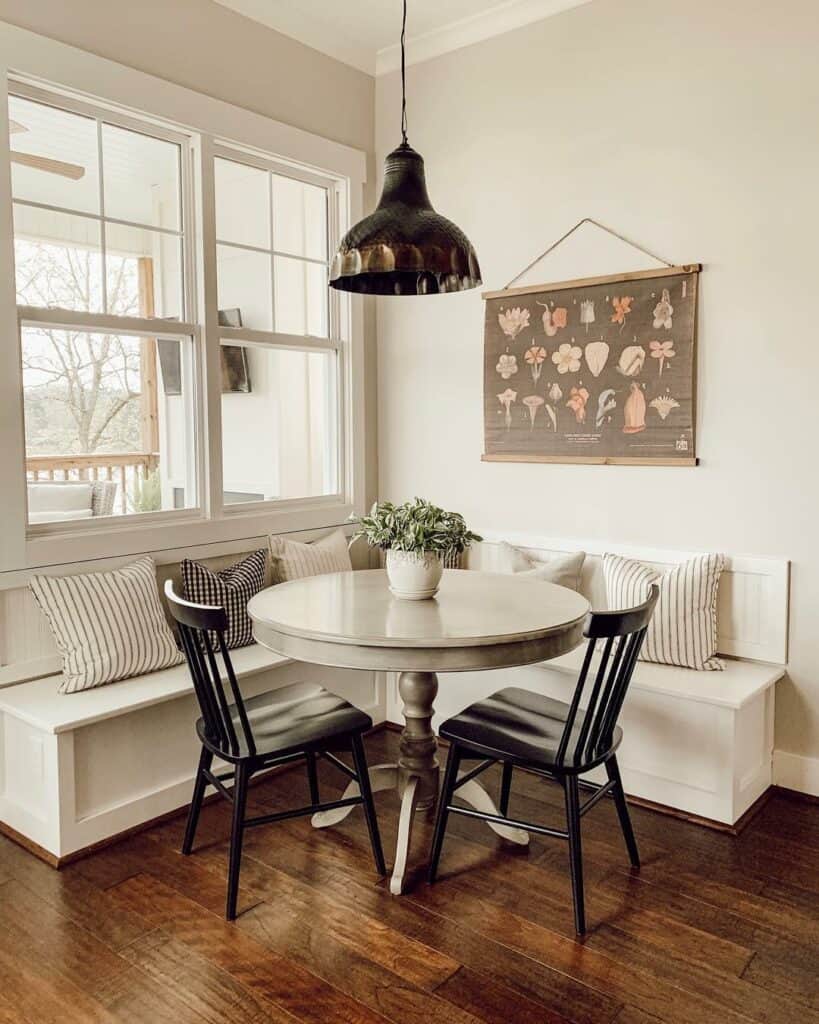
<point>365,33</point>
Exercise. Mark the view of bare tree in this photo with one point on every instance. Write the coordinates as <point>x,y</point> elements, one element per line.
<point>82,389</point>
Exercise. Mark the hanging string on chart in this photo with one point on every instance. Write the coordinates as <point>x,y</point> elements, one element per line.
<point>571,231</point>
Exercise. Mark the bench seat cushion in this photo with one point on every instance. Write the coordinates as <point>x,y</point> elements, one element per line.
<point>734,687</point>
<point>39,704</point>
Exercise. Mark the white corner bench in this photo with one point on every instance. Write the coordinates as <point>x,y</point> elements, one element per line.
<point>698,742</point>
<point>81,768</point>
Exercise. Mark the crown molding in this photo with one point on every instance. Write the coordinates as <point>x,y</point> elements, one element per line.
<point>497,20</point>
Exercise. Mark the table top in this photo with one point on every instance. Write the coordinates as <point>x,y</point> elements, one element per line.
<point>471,609</point>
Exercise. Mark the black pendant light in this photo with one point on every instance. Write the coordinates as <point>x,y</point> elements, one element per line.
<point>404,247</point>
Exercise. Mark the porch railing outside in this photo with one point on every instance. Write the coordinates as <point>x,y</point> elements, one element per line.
<point>127,469</point>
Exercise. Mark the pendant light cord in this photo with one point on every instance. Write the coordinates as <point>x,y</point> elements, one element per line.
<point>404,79</point>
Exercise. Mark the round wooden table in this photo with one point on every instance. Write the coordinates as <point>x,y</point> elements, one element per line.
<point>476,621</point>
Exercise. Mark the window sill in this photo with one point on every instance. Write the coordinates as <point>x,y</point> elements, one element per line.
<point>180,531</point>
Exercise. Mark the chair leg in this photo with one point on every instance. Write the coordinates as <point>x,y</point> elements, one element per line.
<point>506,788</point>
<point>570,789</point>
<point>242,778</point>
<point>205,761</point>
<point>613,770</point>
<point>361,770</point>
<point>447,791</point>
<point>312,777</point>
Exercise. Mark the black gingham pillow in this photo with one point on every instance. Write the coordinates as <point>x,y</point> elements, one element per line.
<point>229,588</point>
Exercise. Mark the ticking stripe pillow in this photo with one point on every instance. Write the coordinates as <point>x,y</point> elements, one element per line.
<point>683,629</point>
<point>229,588</point>
<point>294,561</point>
<point>107,625</point>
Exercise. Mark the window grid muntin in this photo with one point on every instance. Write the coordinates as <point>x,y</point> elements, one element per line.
<point>273,168</point>
<point>101,116</point>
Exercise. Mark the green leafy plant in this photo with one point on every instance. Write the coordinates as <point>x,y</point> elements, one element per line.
<point>146,494</point>
<point>416,525</point>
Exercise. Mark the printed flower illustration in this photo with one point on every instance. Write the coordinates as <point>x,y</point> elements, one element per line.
<point>553,319</point>
<point>663,311</point>
<point>513,321</point>
<point>664,404</point>
<point>577,403</point>
<point>587,312</point>
<point>506,398</point>
<point>507,366</point>
<point>631,360</point>
<point>567,358</point>
<point>634,411</point>
<point>622,307</point>
<point>597,354</point>
<point>555,394</point>
<point>606,403</point>
<point>533,403</point>
<point>662,350</point>
<point>535,357</point>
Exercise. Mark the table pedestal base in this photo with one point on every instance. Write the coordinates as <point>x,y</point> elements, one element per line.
<point>416,775</point>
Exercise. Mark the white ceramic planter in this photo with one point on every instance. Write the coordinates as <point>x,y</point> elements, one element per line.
<point>414,575</point>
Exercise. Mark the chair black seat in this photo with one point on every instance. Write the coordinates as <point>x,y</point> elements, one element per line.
<point>292,718</point>
<point>519,726</point>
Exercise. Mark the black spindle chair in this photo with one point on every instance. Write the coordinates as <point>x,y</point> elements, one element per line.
<point>555,739</point>
<point>302,721</point>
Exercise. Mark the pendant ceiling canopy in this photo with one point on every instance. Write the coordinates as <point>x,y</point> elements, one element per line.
<point>404,247</point>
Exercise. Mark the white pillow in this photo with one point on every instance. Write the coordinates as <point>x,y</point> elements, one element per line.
<point>107,625</point>
<point>67,497</point>
<point>293,561</point>
<point>683,629</point>
<point>562,569</point>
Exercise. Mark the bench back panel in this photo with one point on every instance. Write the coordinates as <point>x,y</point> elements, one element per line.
<point>27,649</point>
<point>752,610</point>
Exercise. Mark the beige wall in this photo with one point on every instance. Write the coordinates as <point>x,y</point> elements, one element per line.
<point>207,47</point>
<point>691,127</point>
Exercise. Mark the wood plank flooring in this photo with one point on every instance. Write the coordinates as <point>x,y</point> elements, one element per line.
<point>713,929</point>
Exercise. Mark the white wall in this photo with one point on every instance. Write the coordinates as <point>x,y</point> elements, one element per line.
<point>691,127</point>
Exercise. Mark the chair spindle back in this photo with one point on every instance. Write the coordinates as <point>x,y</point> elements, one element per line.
<point>622,633</point>
<point>202,633</point>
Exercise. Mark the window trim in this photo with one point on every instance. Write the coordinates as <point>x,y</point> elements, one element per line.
<point>38,62</point>
<point>93,322</point>
<point>337,314</point>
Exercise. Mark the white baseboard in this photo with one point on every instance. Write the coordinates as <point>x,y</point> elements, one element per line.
<point>794,771</point>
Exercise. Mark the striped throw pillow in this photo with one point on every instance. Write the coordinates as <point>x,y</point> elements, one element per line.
<point>229,588</point>
<point>294,561</point>
<point>683,629</point>
<point>107,625</point>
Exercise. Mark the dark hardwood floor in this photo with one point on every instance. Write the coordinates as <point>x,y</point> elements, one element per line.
<point>714,929</point>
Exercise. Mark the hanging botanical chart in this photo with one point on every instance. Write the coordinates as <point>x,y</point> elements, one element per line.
<point>597,370</point>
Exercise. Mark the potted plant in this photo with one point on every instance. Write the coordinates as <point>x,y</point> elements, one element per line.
<point>415,537</point>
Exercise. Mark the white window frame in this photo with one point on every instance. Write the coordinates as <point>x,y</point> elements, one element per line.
<point>337,317</point>
<point>184,329</point>
<point>150,104</point>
